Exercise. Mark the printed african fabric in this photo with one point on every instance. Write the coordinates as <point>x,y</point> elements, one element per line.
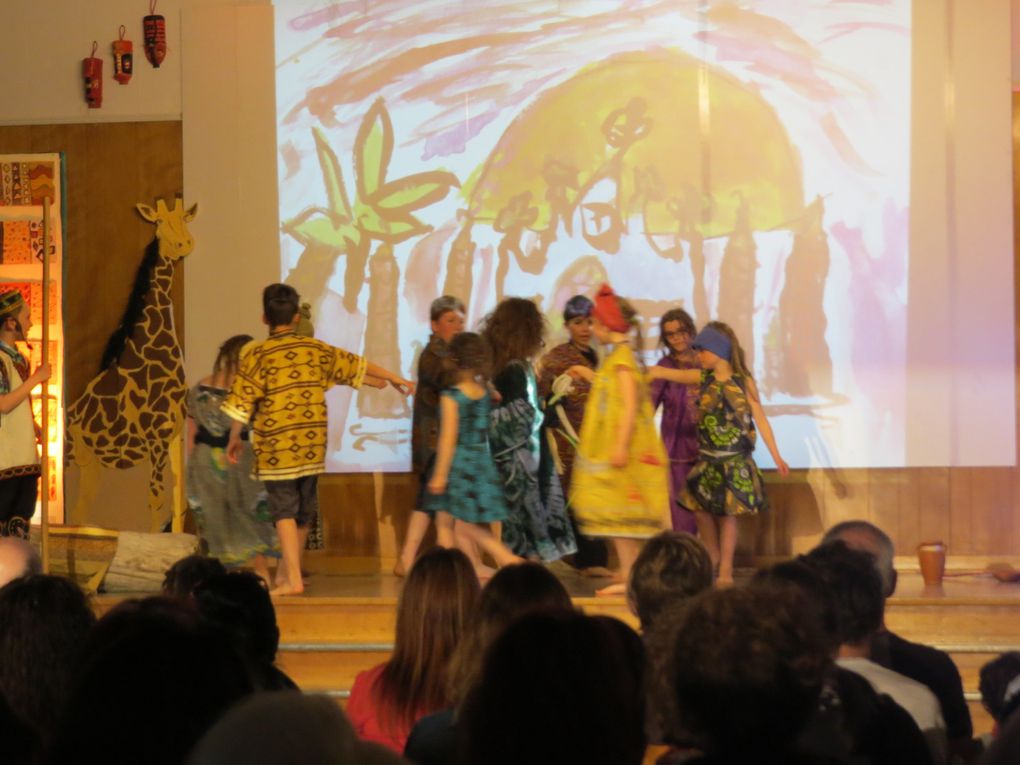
<point>230,507</point>
<point>474,491</point>
<point>537,525</point>
<point>725,480</point>
<point>281,388</point>
<point>631,501</point>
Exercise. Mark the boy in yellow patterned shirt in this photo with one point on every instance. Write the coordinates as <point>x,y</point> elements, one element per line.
<point>280,388</point>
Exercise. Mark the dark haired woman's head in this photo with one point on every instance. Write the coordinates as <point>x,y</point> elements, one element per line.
<point>513,592</point>
<point>672,567</point>
<point>439,595</point>
<point>574,683</point>
<point>229,354</point>
<point>854,587</point>
<point>280,305</point>
<point>998,683</point>
<point>676,330</point>
<point>747,668</point>
<point>160,672</point>
<point>184,575</point>
<point>43,623</point>
<point>469,352</point>
<point>238,604</point>
<point>515,330</point>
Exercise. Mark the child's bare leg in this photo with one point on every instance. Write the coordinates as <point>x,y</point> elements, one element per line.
<point>728,546</point>
<point>709,536</point>
<point>417,525</point>
<point>282,575</point>
<point>261,566</point>
<point>445,533</point>
<point>484,539</point>
<point>470,548</point>
<point>627,551</point>
<point>290,583</point>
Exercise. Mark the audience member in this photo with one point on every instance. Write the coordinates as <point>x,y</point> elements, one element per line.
<point>437,599</point>
<point>748,668</point>
<point>19,745</point>
<point>513,592</point>
<point>43,623</point>
<point>238,603</point>
<point>153,679</point>
<point>17,559</point>
<point>999,683</point>
<point>671,568</point>
<point>187,573</point>
<point>925,664</point>
<point>287,729</point>
<point>556,688</point>
<point>855,589</point>
<point>853,722</point>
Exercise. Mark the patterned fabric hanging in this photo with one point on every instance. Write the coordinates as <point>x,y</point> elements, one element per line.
<point>154,32</point>
<point>123,58</point>
<point>92,71</point>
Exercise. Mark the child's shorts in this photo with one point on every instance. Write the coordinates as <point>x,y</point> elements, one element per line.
<point>296,498</point>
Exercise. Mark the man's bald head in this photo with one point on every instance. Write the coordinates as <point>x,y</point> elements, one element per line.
<point>869,538</point>
<point>17,559</point>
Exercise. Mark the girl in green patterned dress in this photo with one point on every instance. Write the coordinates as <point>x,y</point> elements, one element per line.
<point>725,482</point>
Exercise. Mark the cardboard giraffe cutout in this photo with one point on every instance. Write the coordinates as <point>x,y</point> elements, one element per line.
<point>133,411</point>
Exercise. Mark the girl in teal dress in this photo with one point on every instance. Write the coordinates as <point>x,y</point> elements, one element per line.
<point>465,484</point>
<point>725,481</point>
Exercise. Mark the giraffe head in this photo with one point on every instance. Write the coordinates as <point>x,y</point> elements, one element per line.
<point>175,241</point>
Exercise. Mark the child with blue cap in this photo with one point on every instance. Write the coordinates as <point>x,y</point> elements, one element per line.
<point>725,481</point>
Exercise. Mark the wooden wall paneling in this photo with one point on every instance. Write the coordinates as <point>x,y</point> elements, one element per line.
<point>991,510</point>
<point>933,508</point>
<point>883,499</point>
<point>960,512</point>
<point>910,508</point>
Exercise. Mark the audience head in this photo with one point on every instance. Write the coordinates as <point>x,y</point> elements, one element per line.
<point>287,727</point>
<point>160,673</point>
<point>855,591</point>
<point>999,684</point>
<point>439,595</point>
<point>672,567</point>
<point>183,576</point>
<point>238,604</point>
<point>513,592</point>
<point>748,668</point>
<point>17,558</point>
<point>804,581</point>
<point>43,623</point>
<point>559,687</point>
<point>869,538</point>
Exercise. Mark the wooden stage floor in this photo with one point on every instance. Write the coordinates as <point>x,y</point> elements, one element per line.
<point>344,623</point>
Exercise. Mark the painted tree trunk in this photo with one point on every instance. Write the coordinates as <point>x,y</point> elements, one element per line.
<point>382,345</point>
<point>458,266</point>
<point>737,284</point>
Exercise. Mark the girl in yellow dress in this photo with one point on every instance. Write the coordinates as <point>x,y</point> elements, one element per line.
<point>620,487</point>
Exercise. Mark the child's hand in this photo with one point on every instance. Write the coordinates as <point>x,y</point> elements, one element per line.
<point>579,372</point>
<point>41,373</point>
<point>619,458</point>
<point>782,467</point>
<point>404,386</point>
<point>437,485</point>
<point>234,447</point>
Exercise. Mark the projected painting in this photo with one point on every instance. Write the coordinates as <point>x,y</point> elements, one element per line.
<point>748,162</point>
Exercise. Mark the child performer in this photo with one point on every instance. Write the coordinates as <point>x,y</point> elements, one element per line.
<point>725,482</point>
<point>229,505</point>
<point>537,525</point>
<point>565,398</point>
<point>679,426</point>
<point>621,484</point>
<point>281,387</point>
<point>465,484</point>
<point>19,456</point>
<point>447,316</point>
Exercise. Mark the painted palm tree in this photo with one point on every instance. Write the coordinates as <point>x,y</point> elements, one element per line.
<point>381,213</point>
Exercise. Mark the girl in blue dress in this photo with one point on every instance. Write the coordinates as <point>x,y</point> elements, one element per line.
<point>465,484</point>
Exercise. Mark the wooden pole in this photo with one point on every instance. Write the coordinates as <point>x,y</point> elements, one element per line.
<point>45,413</point>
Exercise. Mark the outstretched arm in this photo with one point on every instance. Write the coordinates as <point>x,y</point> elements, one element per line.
<point>762,423</point>
<point>375,371</point>
<point>685,376</point>
<point>445,446</point>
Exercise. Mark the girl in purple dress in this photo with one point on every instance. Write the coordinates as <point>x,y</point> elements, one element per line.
<point>679,409</point>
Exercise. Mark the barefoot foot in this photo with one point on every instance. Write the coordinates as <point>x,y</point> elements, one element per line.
<point>286,590</point>
<point>612,589</point>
